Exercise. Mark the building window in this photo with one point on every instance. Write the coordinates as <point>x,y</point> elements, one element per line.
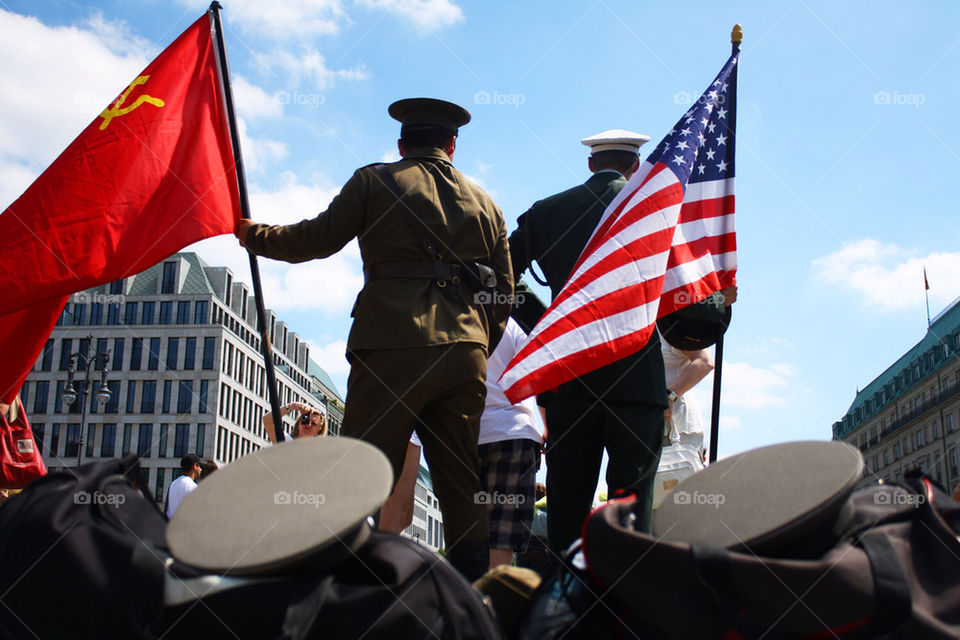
<point>167,390</point>
<point>153,357</point>
<point>73,441</point>
<point>190,353</point>
<point>118,354</point>
<point>169,277</point>
<point>113,405</point>
<point>127,437</point>
<point>96,313</point>
<point>130,313</point>
<point>136,354</point>
<point>149,310</point>
<point>79,311</point>
<point>181,440</point>
<point>131,396</point>
<point>200,310</point>
<point>149,398</point>
<point>201,433</point>
<point>162,443</point>
<point>158,492</point>
<point>40,393</point>
<point>113,314</point>
<point>145,440</point>
<point>202,407</point>
<point>91,435</point>
<point>173,353</point>
<point>108,445</point>
<point>948,423</point>
<point>55,439</point>
<point>185,396</point>
<point>166,311</point>
<point>46,357</point>
<point>65,346</point>
<point>209,345</point>
<point>183,312</point>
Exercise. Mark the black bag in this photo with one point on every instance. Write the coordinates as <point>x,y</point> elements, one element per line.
<point>83,555</point>
<point>889,569</point>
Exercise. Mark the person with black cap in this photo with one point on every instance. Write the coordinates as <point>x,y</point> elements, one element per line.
<point>619,407</point>
<point>435,300</point>
<point>191,469</point>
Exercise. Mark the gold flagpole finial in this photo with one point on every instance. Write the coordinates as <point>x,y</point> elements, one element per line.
<point>736,35</point>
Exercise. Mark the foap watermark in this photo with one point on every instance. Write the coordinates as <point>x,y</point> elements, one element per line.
<point>296,498</point>
<point>85,297</point>
<point>686,497</point>
<point>485,497</point>
<point>899,98</point>
<point>686,298</point>
<point>685,97</point>
<point>111,499</point>
<point>510,99</point>
<point>312,100</point>
<point>495,297</point>
<point>899,498</point>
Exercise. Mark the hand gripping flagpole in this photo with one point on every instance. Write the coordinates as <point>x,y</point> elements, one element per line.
<point>245,213</point>
<point>736,37</point>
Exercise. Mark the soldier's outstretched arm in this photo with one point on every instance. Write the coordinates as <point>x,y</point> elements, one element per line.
<point>318,237</point>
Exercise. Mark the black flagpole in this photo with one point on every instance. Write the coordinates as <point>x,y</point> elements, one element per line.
<point>736,36</point>
<point>245,213</point>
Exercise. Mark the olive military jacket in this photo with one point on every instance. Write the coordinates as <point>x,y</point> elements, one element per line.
<point>554,232</point>
<point>461,220</point>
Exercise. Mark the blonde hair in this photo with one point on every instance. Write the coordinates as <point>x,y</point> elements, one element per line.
<point>321,432</point>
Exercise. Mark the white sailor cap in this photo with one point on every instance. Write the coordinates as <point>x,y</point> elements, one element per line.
<point>616,140</point>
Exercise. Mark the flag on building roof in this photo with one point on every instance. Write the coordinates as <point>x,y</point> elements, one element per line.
<point>666,241</point>
<point>153,173</point>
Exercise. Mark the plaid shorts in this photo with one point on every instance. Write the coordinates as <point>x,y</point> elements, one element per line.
<point>508,475</point>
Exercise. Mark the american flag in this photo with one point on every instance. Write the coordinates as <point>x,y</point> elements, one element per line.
<point>666,241</point>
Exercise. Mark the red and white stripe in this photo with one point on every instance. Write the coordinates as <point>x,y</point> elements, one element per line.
<point>654,251</point>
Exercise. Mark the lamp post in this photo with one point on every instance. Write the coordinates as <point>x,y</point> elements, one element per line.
<point>82,360</point>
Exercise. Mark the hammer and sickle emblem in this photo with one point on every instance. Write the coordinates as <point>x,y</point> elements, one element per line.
<point>117,108</point>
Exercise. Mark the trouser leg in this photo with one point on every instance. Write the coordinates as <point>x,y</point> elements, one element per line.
<point>449,429</point>
<point>633,435</point>
<point>574,453</point>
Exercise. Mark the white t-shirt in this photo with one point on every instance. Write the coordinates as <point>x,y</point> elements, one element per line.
<point>686,423</point>
<point>501,419</point>
<point>179,488</point>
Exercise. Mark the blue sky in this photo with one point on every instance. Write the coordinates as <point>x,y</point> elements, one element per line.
<point>845,147</point>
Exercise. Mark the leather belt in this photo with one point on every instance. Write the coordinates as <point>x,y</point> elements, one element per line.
<point>442,272</point>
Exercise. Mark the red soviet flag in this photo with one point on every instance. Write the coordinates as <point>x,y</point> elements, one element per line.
<point>153,173</point>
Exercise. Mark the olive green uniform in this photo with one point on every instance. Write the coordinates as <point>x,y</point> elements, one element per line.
<point>417,347</point>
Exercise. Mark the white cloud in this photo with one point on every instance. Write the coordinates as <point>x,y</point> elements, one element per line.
<point>290,19</point>
<point>331,358</point>
<point>259,152</point>
<point>308,64</point>
<point>425,15</point>
<point>61,79</point>
<point>730,423</point>
<point>889,278</point>
<point>328,286</point>
<point>391,155</point>
<point>118,36</point>
<point>749,387</point>
<point>253,102</point>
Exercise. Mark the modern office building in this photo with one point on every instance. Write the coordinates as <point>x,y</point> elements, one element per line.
<point>908,417</point>
<point>427,525</point>
<point>179,351</point>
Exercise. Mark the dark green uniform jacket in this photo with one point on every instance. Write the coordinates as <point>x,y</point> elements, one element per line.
<point>554,232</point>
<point>399,313</point>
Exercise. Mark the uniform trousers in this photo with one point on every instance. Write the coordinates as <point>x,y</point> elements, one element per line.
<point>579,430</point>
<point>439,392</point>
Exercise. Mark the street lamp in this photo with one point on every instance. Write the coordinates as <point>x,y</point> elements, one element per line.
<point>82,360</point>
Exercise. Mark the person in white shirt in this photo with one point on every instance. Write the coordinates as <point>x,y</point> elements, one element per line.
<point>186,483</point>
<point>311,423</point>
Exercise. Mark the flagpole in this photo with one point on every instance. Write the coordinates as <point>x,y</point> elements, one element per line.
<point>736,37</point>
<point>926,294</point>
<point>245,213</point>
